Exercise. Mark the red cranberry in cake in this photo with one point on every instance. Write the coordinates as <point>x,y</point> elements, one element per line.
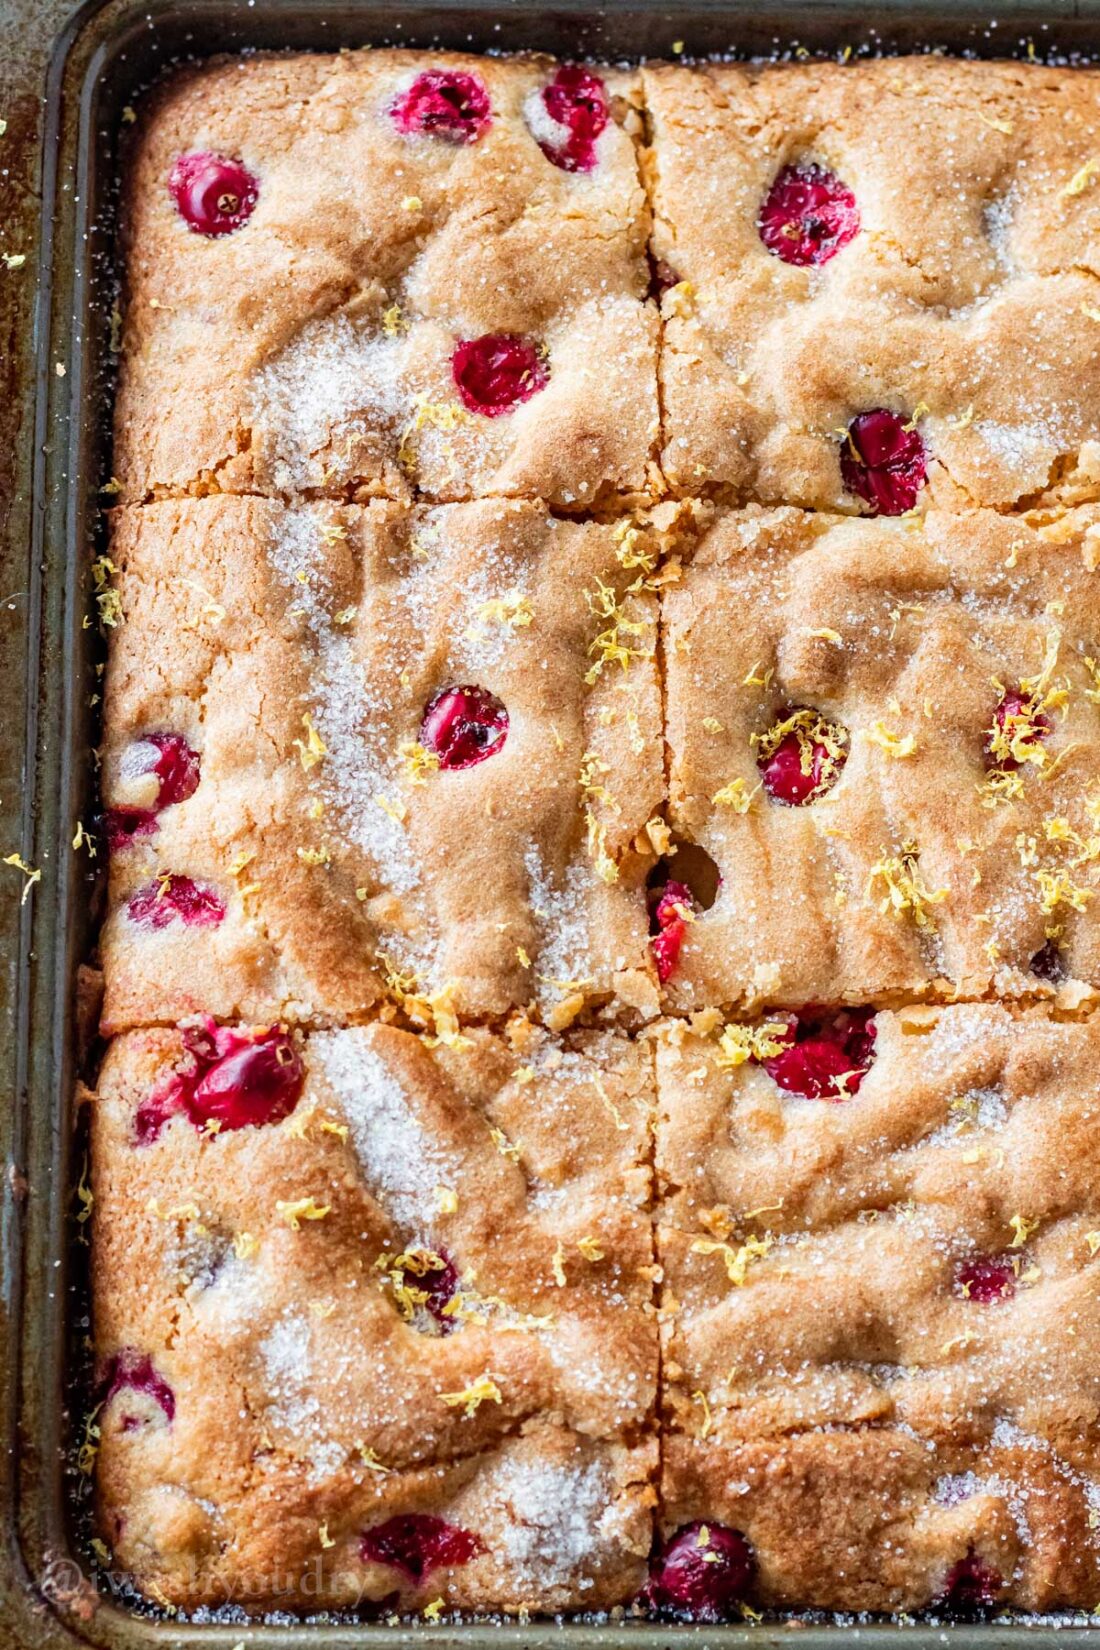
<point>214,195</point>
<point>132,1371</point>
<point>971,1585</point>
<point>175,764</point>
<point>569,116</point>
<point>418,1543</point>
<point>808,215</point>
<point>801,756</point>
<point>444,103</point>
<point>662,277</point>
<point>236,1079</point>
<point>824,1057</point>
<point>1017,732</point>
<point>125,825</point>
<point>424,1281</point>
<point>464,726</point>
<point>175,899</point>
<point>704,1572</point>
<point>883,462</point>
<point>498,371</point>
<point>986,1279</point>
<point>252,1078</point>
<point>175,767</point>
<point>668,926</point>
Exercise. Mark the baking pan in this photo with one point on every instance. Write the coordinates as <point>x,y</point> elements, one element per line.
<point>67,75</point>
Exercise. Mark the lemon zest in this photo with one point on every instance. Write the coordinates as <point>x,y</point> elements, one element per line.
<point>503,1145</point>
<point>737,1260</point>
<point>1081,179</point>
<point>894,744</point>
<point>29,871</point>
<point>735,796</point>
<point>312,749</point>
<point>740,1043</point>
<point>904,887</point>
<point>700,1397</point>
<point>302,1208</point>
<point>1057,889</point>
<point>370,1460</point>
<point>482,1391</point>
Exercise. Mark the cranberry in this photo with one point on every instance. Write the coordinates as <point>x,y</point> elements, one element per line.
<point>662,277</point>
<point>1015,721</point>
<point>971,1586</point>
<point>130,1368</point>
<point>176,899</point>
<point>883,462</point>
<point>821,1051</point>
<point>176,766</point>
<point>431,1274</point>
<point>441,1285</point>
<point>704,1572</point>
<point>214,195</point>
<point>497,372</point>
<point>237,1079</point>
<point>986,1279</point>
<point>444,103</point>
<point>808,215</point>
<point>576,101</point>
<point>464,726</point>
<point>801,758</point>
<point>418,1543</point>
<point>668,927</point>
<point>125,825</point>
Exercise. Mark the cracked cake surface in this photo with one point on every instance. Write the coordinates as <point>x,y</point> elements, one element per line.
<point>601,800</point>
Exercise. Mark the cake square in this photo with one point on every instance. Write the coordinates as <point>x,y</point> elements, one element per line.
<point>879,1309</point>
<point>885,735</point>
<point>882,282</point>
<point>388,272</point>
<point>358,754</point>
<point>373,1317</point>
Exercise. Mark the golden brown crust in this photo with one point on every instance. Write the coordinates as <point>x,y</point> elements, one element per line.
<point>243,619</point>
<point>830,1386</point>
<point>306,1406</point>
<point>315,537</point>
<point>900,634</point>
<point>970,291</point>
<point>310,349</point>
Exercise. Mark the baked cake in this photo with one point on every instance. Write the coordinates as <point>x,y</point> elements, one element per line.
<point>375,1315</point>
<point>601,783</point>
<point>385,274</point>
<point>886,736</point>
<point>411,761</point>
<point>883,282</point>
<point>879,1314</point>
